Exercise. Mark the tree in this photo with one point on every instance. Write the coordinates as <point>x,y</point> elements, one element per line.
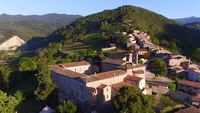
<point>27,64</point>
<point>158,66</point>
<point>196,55</point>
<point>172,86</point>
<point>131,100</point>
<point>5,72</point>
<point>45,84</point>
<point>8,104</point>
<point>66,107</point>
<point>166,104</point>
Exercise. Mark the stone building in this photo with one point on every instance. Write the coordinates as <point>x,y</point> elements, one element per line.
<point>84,84</point>
<point>189,87</point>
<point>176,60</point>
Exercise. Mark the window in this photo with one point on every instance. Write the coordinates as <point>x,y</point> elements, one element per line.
<point>107,97</point>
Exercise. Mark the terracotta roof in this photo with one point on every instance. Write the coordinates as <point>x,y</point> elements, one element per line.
<point>196,98</point>
<point>132,79</point>
<point>73,64</point>
<point>61,71</point>
<point>189,110</point>
<point>129,66</point>
<point>103,75</point>
<point>138,72</point>
<point>113,61</point>
<point>189,83</point>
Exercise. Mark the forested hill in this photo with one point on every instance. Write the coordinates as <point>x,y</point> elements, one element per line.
<point>32,25</point>
<point>188,20</point>
<point>195,25</point>
<point>103,27</point>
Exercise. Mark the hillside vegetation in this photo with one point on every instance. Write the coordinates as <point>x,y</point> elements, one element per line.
<point>28,27</point>
<point>195,25</point>
<point>31,75</point>
<point>99,29</point>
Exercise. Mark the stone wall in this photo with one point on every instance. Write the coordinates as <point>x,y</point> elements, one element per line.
<point>71,88</point>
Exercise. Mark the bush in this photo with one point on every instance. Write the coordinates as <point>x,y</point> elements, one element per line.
<point>172,87</point>
<point>66,107</point>
<point>158,67</point>
<point>131,100</point>
<point>196,55</point>
<point>8,104</point>
<point>27,64</point>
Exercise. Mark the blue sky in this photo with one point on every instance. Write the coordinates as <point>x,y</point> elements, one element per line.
<point>169,8</point>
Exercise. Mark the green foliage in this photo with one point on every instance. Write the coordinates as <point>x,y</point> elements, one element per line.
<point>196,55</point>
<point>158,66</point>
<point>165,103</point>
<point>8,104</point>
<point>32,26</point>
<point>27,64</point>
<point>5,73</point>
<point>45,84</point>
<point>131,100</point>
<point>66,107</point>
<point>105,27</point>
<point>172,86</point>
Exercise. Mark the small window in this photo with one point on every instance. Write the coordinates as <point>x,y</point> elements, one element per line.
<point>107,89</point>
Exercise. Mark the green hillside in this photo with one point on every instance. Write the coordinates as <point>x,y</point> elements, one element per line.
<point>31,26</point>
<point>99,29</point>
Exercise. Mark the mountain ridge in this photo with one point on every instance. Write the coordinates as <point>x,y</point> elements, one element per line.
<point>103,28</point>
<point>30,26</point>
<point>187,20</point>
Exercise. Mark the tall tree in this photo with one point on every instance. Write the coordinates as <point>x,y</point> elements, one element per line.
<point>158,66</point>
<point>131,100</point>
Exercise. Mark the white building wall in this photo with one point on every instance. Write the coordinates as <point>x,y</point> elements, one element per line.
<point>107,93</point>
<point>142,84</point>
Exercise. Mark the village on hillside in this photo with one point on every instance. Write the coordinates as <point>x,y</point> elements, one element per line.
<point>92,86</point>
<point>100,56</point>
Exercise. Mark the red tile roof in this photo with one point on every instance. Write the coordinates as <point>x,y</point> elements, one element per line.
<point>138,72</point>
<point>189,110</point>
<point>196,98</point>
<point>61,71</point>
<point>73,64</point>
<point>113,61</point>
<point>132,78</point>
<point>189,83</point>
<point>104,75</point>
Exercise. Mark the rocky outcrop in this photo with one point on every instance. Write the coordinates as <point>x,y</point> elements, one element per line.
<point>12,44</point>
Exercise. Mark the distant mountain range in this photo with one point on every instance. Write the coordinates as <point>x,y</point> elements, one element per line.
<point>191,22</point>
<point>188,20</point>
<point>32,25</point>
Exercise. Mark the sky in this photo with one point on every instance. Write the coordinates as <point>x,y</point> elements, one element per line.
<point>168,8</point>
